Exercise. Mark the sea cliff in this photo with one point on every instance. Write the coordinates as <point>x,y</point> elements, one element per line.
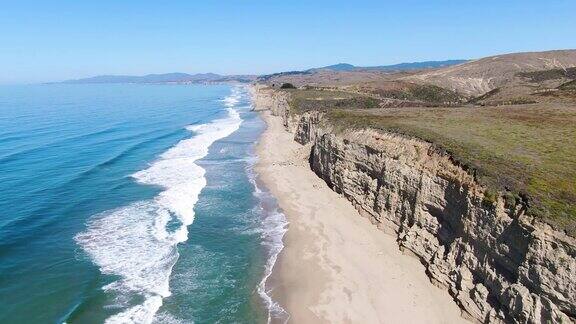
<point>498,263</point>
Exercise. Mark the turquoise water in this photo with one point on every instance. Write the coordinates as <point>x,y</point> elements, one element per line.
<point>133,204</point>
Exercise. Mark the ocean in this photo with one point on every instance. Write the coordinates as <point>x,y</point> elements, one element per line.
<point>125,203</point>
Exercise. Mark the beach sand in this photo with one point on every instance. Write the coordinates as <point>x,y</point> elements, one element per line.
<point>336,266</point>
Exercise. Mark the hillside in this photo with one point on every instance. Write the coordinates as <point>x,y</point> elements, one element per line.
<point>472,167</point>
<point>345,74</point>
<point>414,65</point>
<point>477,77</point>
<point>518,137</point>
<point>392,67</point>
<point>483,195</point>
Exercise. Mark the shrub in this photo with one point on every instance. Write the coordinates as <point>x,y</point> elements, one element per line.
<point>287,86</point>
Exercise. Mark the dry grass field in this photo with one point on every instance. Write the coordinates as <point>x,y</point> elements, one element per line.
<point>525,151</point>
<point>510,119</point>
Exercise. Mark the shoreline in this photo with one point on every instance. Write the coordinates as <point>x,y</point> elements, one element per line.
<point>335,265</point>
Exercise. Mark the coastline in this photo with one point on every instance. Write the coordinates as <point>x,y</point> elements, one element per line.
<point>336,266</point>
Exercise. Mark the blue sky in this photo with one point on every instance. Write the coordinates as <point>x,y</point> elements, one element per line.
<point>56,40</point>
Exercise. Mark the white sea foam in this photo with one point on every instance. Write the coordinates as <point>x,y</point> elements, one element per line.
<point>273,227</point>
<point>134,242</point>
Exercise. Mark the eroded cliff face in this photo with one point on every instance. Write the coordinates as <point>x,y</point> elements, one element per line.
<point>498,263</point>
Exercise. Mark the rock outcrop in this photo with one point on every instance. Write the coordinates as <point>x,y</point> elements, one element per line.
<point>498,263</point>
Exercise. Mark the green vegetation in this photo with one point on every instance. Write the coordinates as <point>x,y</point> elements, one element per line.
<point>526,152</point>
<point>487,99</point>
<point>545,75</point>
<point>570,85</point>
<point>566,90</point>
<point>427,93</point>
<point>323,100</point>
<point>287,86</point>
<point>485,96</point>
<point>523,151</point>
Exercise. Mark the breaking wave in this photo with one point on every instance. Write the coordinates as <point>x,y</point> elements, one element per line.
<point>137,243</point>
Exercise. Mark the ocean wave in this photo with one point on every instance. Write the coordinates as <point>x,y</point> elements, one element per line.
<point>273,227</point>
<point>137,243</point>
<point>26,227</point>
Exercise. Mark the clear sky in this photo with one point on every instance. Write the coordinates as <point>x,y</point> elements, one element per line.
<point>56,40</point>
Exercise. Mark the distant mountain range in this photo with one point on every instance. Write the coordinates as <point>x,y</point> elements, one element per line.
<point>217,78</point>
<point>394,67</point>
<point>346,67</point>
<point>166,78</point>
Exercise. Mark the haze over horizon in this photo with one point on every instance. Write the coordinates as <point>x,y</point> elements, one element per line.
<point>67,40</point>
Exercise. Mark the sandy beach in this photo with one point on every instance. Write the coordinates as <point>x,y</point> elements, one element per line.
<point>336,266</point>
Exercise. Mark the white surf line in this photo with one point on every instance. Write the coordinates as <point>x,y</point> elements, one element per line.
<point>134,242</point>
<point>274,226</point>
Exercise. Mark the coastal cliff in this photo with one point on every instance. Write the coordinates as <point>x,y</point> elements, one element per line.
<point>498,263</point>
